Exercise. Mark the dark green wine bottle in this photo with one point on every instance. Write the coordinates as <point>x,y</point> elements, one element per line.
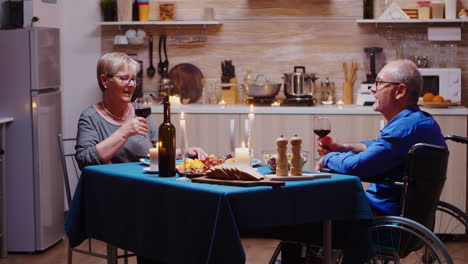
<point>167,144</point>
<point>368,9</point>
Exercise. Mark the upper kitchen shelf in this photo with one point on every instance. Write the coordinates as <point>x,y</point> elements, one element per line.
<point>162,23</point>
<point>399,21</point>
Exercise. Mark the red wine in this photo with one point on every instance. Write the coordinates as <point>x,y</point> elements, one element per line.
<point>322,132</point>
<point>143,112</point>
<point>167,144</point>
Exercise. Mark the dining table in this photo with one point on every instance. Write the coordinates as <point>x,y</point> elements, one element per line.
<point>177,221</point>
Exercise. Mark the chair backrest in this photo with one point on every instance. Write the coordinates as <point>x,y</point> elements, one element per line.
<point>424,180</point>
<point>71,171</point>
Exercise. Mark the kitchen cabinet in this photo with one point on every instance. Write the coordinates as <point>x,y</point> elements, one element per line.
<point>209,131</point>
<point>455,186</point>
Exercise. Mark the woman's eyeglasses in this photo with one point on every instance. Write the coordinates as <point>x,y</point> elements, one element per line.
<point>125,79</point>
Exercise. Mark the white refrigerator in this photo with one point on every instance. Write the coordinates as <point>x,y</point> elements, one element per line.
<point>30,92</point>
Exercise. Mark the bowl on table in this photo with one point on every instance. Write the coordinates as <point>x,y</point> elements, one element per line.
<point>269,157</point>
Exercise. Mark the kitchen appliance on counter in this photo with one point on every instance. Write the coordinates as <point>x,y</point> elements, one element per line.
<point>442,81</point>
<point>261,92</point>
<point>373,62</point>
<point>299,87</point>
<point>31,95</point>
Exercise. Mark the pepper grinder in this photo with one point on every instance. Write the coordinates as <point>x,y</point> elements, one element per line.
<point>281,158</point>
<point>296,166</point>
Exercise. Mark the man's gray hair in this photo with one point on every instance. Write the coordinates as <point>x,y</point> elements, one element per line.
<point>405,71</point>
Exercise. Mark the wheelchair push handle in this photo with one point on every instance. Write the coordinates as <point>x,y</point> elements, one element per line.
<point>458,139</point>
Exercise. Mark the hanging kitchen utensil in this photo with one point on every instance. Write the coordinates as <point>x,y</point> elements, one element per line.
<point>166,61</point>
<point>151,70</point>
<point>187,79</point>
<point>160,64</point>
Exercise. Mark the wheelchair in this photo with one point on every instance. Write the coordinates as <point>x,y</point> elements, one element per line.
<point>408,238</point>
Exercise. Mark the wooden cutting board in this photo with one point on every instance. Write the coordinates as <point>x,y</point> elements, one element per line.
<point>204,179</point>
<point>187,80</point>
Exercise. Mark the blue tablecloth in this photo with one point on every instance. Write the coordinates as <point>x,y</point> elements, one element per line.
<point>184,222</point>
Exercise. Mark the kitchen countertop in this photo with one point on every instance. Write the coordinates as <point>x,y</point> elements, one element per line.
<point>318,109</point>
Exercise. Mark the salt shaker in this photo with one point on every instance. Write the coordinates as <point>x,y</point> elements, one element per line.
<point>296,164</point>
<point>281,158</point>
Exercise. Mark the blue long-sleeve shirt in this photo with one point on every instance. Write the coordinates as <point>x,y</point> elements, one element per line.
<point>386,156</point>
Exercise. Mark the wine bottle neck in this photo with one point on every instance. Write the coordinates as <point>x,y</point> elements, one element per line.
<point>167,112</point>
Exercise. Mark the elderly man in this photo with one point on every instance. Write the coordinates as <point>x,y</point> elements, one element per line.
<point>396,91</point>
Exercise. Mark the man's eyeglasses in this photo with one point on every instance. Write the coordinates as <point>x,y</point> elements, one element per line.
<point>378,84</point>
<point>125,79</point>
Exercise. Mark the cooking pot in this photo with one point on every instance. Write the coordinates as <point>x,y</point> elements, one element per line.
<point>299,83</point>
<point>266,90</point>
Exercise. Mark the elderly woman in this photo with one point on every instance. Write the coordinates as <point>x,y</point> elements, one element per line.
<point>109,131</point>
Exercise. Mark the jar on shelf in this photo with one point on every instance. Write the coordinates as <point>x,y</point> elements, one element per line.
<point>424,9</point>
<point>167,10</point>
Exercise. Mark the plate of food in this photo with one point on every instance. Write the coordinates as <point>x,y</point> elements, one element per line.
<point>149,170</point>
<point>145,161</point>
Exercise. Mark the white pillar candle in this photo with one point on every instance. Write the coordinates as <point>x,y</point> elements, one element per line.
<point>243,155</point>
<point>183,134</point>
<point>251,127</point>
<point>154,159</point>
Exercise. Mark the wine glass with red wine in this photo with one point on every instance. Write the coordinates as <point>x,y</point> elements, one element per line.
<point>142,108</point>
<point>322,126</point>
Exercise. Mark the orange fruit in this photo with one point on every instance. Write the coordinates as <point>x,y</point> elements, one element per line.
<point>438,99</point>
<point>427,97</point>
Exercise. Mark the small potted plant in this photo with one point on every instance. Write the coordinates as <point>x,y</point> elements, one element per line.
<point>109,9</point>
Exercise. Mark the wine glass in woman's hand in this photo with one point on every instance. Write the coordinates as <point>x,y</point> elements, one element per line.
<point>142,108</point>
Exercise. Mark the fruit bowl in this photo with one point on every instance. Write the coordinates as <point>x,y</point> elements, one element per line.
<point>269,157</point>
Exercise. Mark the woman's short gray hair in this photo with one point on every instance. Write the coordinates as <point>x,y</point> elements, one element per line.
<point>405,71</point>
<point>111,63</point>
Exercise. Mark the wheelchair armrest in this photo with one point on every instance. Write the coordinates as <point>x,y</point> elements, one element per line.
<point>458,139</point>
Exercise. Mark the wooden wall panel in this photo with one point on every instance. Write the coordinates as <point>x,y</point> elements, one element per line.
<point>273,36</point>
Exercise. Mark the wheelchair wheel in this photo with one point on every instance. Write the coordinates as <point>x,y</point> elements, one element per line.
<point>401,240</point>
<point>451,222</point>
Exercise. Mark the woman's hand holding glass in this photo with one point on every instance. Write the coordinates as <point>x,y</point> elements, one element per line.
<point>135,126</point>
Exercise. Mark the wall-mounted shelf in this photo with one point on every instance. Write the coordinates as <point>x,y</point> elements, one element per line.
<point>162,23</point>
<point>412,21</point>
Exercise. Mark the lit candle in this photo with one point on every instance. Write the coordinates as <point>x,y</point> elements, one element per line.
<point>154,166</point>
<point>251,126</point>
<point>183,134</point>
<point>243,155</point>
<point>275,104</point>
<point>174,100</point>
<point>340,102</point>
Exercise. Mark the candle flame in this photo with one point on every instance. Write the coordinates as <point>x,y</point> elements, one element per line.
<point>251,108</point>
<point>243,144</point>
<point>222,102</point>
<point>182,116</point>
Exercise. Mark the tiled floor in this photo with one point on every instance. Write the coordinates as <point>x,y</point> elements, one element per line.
<point>258,251</point>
